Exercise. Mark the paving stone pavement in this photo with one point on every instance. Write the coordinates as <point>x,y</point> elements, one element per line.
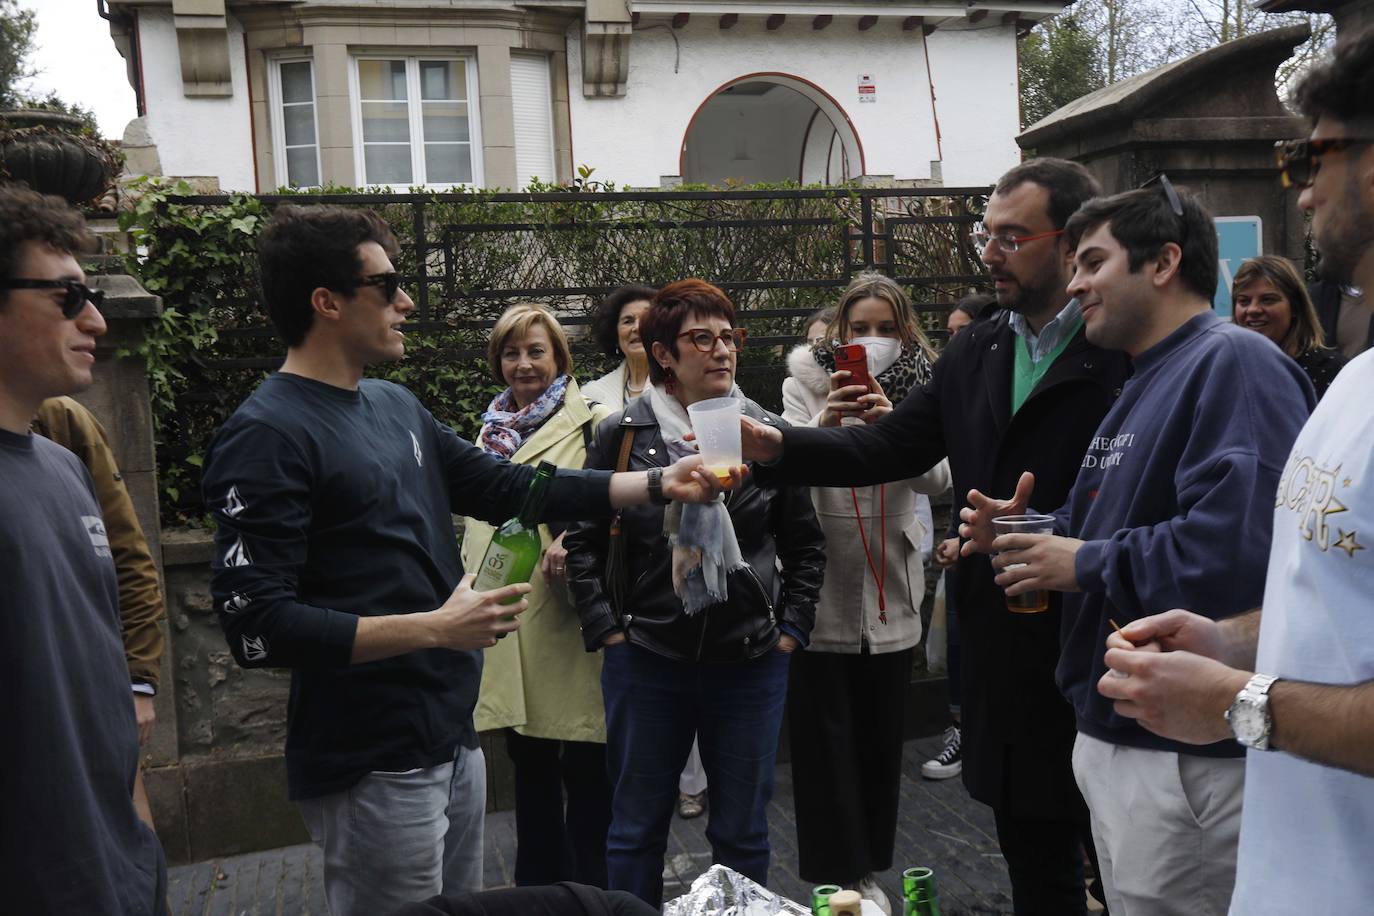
<point>938,826</point>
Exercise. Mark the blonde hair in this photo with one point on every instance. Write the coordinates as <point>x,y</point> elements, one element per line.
<point>1305,332</point>
<point>872,285</point>
<point>515,323</point>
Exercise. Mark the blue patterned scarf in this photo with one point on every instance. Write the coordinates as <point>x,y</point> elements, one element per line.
<point>505,427</point>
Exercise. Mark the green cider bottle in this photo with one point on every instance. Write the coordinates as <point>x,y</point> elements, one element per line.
<point>919,895</point>
<point>514,550</point>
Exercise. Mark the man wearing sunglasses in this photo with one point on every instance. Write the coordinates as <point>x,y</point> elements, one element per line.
<point>71,839</point>
<point>1018,388</point>
<point>1295,682</point>
<point>336,557</point>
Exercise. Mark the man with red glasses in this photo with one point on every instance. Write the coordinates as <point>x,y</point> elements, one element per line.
<point>335,557</point>
<point>1307,716</point>
<point>70,839</point>
<point>1020,387</point>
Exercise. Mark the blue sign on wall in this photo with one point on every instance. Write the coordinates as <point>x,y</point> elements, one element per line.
<point>1239,238</point>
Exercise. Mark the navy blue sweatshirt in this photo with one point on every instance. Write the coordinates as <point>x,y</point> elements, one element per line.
<point>332,505</point>
<point>1175,500</point>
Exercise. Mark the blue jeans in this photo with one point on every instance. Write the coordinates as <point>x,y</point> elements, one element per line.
<point>654,705</point>
<point>393,838</point>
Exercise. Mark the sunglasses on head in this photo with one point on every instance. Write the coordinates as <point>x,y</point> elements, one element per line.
<point>74,299</point>
<point>390,282</point>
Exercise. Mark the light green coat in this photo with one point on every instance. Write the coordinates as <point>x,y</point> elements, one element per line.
<point>540,680</point>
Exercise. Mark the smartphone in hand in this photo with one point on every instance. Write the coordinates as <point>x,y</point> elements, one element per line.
<point>854,358</point>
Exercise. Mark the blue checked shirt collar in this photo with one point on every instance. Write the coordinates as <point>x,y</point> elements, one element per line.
<point>1057,329</point>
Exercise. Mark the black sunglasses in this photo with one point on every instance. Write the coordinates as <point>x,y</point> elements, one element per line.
<point>73,302</point>
<point>390,282</point>
<point>1163,181</point>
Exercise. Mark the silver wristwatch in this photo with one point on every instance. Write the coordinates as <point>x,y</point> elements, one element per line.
<point>1249,716</point>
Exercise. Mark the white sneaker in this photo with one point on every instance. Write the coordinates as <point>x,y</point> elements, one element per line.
<point>949,762</point>
<point>869,890</point>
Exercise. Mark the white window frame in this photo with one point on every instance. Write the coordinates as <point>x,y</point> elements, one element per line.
<point>415,111</point>
<point>277,118</point>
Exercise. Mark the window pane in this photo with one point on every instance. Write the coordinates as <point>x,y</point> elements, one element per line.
<point>385,122</point>
<point>299,121</point>
<point>295,82</point>
<point>382,79</point>
<point>445,121</point>
<point>302,171</point>
<point>447,163</point>
<point>443,79</point>
<point>387,164</point>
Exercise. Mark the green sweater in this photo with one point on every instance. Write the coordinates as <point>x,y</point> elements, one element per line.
<point>1025,375</point>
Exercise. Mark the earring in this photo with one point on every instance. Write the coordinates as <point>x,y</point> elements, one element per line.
<point>669,381</point>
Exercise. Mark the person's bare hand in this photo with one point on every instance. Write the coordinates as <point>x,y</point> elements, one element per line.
<point>1176,630</point>
<point>687,480</point>
<point>844,400</point>
<point>977,516</point>
<point>876,404</point>
<point>554,563</point>
<point>1178,695</point>
<point>475,620</point>
<point>787,644</point>
<point>145,716</point>
<point>614,639</point>
<point>947,552</point>
<point>760,441</point>
<point>1029,562</point>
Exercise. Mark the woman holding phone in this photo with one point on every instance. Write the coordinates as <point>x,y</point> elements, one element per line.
<point>696,611</point>
<point>848,689</point>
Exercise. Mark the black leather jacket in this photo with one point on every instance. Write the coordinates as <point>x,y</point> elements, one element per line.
<point>775,525</point>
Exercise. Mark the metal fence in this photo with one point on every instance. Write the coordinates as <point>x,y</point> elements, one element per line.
<point>779,254</point>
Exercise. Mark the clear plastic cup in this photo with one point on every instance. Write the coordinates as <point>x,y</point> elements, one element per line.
<point>1038,601</point>
<point>716,423</point>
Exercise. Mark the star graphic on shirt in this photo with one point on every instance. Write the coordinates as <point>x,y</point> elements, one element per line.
<point>1346,482</point>
<point>1347,542</point>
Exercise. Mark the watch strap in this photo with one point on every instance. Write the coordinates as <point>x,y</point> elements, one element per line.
<point>656,487</point>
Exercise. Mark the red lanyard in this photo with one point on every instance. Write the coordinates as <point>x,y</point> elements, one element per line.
<point>879,574</point>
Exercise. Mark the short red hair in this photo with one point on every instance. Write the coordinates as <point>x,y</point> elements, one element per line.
<point>669,310</point>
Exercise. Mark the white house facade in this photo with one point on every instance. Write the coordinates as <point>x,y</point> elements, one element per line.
<point>254,94</point>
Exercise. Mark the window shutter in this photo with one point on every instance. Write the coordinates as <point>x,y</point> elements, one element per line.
<point>532,101</point>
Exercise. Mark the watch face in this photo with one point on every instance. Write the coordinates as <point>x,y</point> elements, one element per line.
<point>1247,722</point>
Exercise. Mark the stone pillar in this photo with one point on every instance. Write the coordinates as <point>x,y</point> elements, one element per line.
<point>1209,121</point>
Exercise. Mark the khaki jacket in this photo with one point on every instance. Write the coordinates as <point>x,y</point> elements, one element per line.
<point>72,426</point>
<point>539,680</point>
<point>848,613</point>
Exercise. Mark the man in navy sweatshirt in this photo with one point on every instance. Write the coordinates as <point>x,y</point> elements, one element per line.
<point>335,557</point>
<point>1172,508</point>
<point>1295,684</point>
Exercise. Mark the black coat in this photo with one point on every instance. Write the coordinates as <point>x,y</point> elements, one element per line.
<point>1018,730</point>
<point>775,526</point>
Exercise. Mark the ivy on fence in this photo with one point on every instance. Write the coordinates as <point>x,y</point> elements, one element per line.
<point>780,256</point>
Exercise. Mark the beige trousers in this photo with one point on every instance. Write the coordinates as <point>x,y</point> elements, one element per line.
<point>1165,826</point>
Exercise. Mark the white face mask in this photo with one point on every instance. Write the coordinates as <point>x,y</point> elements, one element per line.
<point>882,353</point>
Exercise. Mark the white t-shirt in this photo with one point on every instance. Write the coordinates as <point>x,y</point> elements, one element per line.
<point>1307,831</point>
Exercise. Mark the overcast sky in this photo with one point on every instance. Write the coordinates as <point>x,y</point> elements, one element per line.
<point>76,58</point>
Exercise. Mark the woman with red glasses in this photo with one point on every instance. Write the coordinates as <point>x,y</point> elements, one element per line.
<point>696,611</point>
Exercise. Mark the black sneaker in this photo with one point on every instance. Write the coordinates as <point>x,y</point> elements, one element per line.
<point>949,762</point>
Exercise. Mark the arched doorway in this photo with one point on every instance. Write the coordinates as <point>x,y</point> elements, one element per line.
<point>770,127</point>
